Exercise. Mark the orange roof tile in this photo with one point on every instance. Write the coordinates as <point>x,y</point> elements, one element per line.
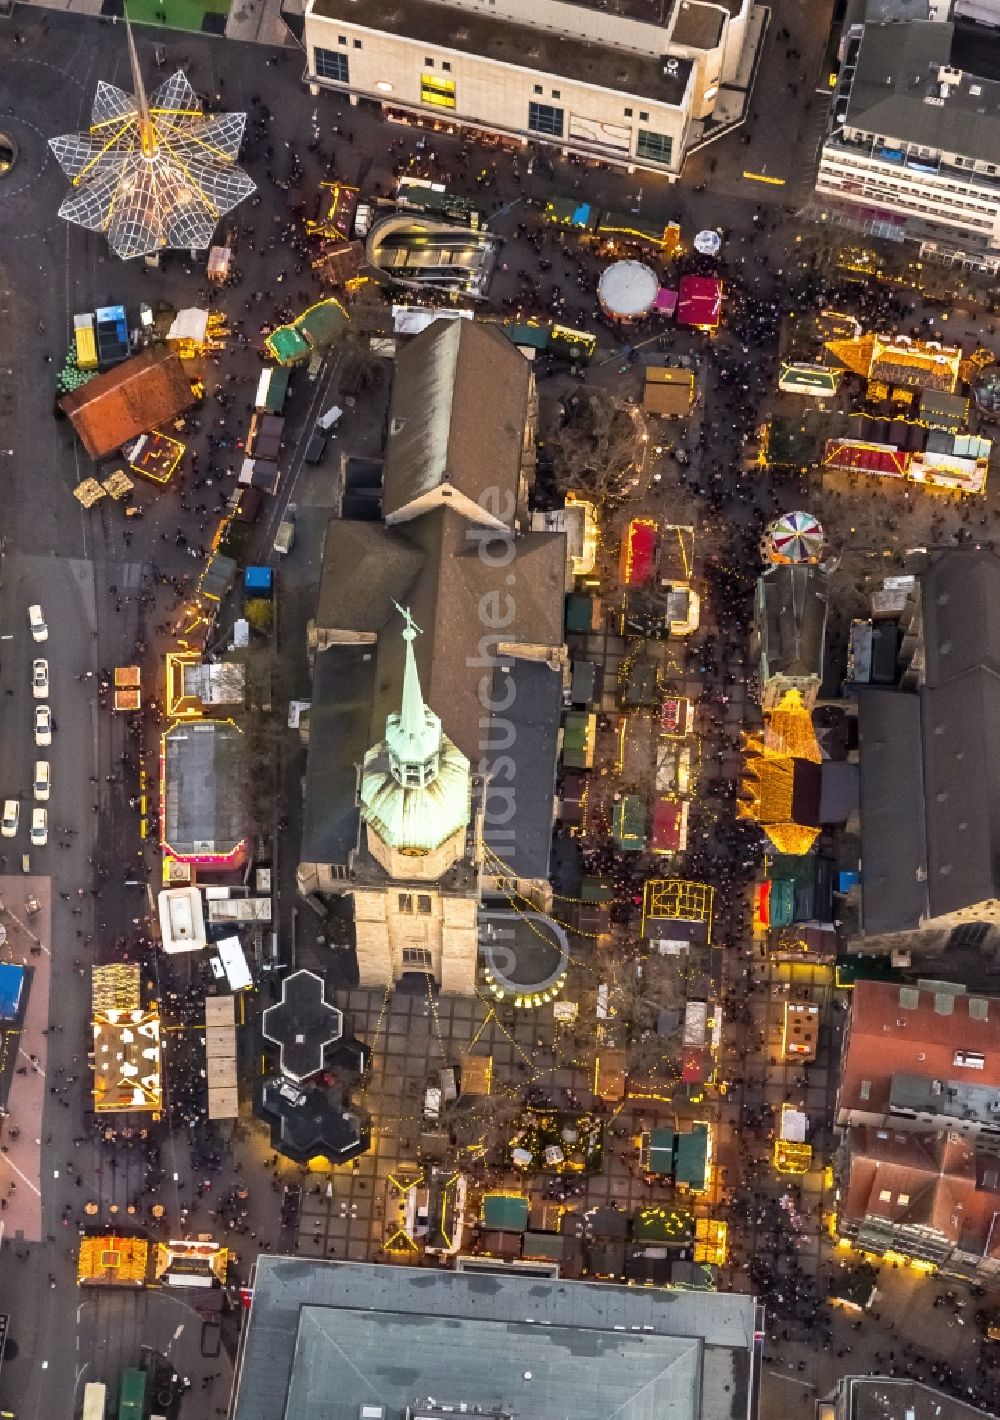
<point>129,400</point>
<point>887,1037</point>
<point>920,1180</point>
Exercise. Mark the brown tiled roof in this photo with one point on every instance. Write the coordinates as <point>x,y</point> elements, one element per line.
<point>447,596</point>
<point>888,1036</point>
<point>923,1180</point>
<point>458,411</point>
<point>128,401</point>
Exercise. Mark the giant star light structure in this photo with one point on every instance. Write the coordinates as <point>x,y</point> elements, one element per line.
<point>153,173</point>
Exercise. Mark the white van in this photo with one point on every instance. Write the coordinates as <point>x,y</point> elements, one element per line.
<point>330,419</point>
<point>42,780</point>
<point>36,621</point>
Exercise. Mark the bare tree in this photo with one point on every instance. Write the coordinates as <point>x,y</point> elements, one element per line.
<point>597,447</point>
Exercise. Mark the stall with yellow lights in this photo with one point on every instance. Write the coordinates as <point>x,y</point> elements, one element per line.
<point>128,688</point>
<point>791,1152</point>
<point>191,1262</point>
<point>155,457</point>
<point>558,1141</point>
<point>111,1260</point>
<point>126,1045</point>
<point>780,788</point>
<point>196,332</point>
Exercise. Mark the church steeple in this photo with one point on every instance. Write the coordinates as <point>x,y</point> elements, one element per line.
<point>415,785</point>
<point>413,737</point>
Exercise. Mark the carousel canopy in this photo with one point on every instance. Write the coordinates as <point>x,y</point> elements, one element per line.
<point>152,173</point>
<point>795,537</point>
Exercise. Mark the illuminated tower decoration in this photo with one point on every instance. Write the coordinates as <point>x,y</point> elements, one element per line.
<point>781,783</point>
<point>416,806</point>
<point>152,173</point>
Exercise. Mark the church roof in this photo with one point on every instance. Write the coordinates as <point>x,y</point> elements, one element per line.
<point>459,405</point>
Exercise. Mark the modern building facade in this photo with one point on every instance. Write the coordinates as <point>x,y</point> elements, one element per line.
<point>912,150</point>
<point>633,84</point>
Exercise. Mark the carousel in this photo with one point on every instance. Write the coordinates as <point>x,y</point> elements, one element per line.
<point>794,537</point>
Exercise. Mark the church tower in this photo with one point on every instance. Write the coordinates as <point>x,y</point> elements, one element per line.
<point>416,792</point>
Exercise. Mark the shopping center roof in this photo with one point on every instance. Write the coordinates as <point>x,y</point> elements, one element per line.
<point>505,41</point>
<point>326,1338</point>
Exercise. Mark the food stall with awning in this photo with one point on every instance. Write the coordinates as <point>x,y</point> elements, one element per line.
<point>637,562</point>
<point>629,823</point>
<point>272,389</point>
<point>670,824</point>
<point>128,693</point>
<point>699,302</point>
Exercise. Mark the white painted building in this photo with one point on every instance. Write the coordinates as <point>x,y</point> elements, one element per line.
<point>913,144</point>
<point>637,83</point>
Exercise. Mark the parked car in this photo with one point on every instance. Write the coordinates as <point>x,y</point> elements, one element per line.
<point>39,828</point>
<point>40,679</point>
<point>43,725</point>
<point>36,622</point>
<point>42,780</point>
<point>285,536</point>
<point>315,449</point>
<point>11,817</point>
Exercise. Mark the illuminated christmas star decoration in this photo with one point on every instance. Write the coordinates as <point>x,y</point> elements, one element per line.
<point>152,173</point>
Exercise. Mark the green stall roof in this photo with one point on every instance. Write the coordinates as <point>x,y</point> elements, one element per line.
<point>661,1150</point>
<point>505,1212</point>
<point>691,1158</point>
<point>629,823</point>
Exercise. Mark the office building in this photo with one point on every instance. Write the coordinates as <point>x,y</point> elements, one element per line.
<point>912,149</point>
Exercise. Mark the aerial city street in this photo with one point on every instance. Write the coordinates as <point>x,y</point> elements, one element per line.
<point>499,712</point>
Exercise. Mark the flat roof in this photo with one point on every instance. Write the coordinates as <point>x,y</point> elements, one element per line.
<point>888,1398</point>
<point>325,1338</point>
<point>204,804</point>
<point>506,41</point>
<point>897,75</point>
<point>698,25</point>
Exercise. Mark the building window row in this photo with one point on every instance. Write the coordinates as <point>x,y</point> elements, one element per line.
<point>408,902</point>
<point>657,147</point>
<point>331,64</point>
<point>913,180</point>
<point>438,92</point>
<point>909,190</point>
<point>546,119</point>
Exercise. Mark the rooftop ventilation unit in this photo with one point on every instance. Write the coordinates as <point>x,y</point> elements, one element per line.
<point>944,1003</point>
<point>979,1008</point>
